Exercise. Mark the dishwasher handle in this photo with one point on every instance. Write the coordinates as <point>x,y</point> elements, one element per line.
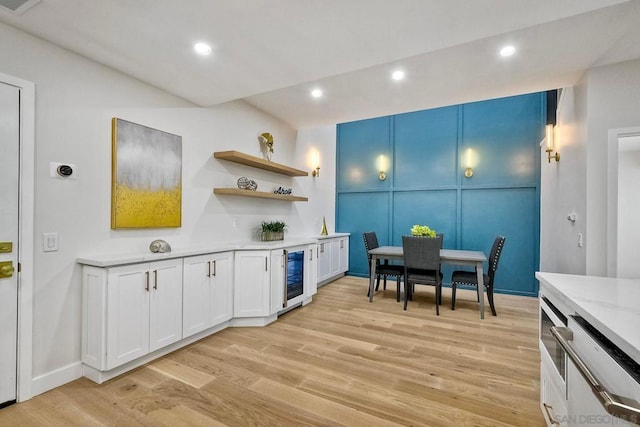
<point>621,407</point>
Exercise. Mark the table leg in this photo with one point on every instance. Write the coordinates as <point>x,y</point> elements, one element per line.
<point>373,275</point>
<point>480,277</point>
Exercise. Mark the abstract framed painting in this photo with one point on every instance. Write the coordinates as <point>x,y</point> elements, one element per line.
<point>146,177</point>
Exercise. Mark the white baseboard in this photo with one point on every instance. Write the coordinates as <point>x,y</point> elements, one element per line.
<point>51,380</point>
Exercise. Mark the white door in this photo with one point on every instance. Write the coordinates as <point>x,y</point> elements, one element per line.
<point>9,161</point>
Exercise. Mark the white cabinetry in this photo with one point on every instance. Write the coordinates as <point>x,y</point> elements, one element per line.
<point>207,291</point>
<point>252,288</point>
<point>278,263</point>
<point>130,311</point>
<point>311,271</point>
<point>333,258</point>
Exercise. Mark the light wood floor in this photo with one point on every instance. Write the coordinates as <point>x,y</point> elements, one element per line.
<point>337,361</point>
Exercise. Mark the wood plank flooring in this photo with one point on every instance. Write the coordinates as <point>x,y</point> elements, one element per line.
<point>337,361</point>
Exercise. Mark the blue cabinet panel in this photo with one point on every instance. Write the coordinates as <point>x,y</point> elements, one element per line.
<point>425,144</point>
<point>360,145</point>
<point>504,136</point>
<point>511,212</point>
<point>437,209</point>
<point>357,213</point>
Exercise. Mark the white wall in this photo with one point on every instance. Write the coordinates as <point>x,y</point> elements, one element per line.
<point>322,140</point>
<point>613,103</point>
<point>75,101</point>
<point>606,99</point>
<point>563,188</point>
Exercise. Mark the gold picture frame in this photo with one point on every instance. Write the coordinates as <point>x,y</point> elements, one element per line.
<point>146,177</point>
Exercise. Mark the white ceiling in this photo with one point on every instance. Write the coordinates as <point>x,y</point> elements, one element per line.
<point>271,53</point>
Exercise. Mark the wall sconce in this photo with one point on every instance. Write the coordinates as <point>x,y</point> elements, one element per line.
<point>382,167</point>
<point>550,140</point>
<point>468,162</point>
<point>315,161</point>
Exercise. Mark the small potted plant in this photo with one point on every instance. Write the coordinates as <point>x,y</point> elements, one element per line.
<point>422,230</point>
<point>273,230</point>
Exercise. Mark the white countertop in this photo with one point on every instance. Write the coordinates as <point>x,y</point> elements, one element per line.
<point>331,236</point>
<point>122,258</point>
<point>611,305</point>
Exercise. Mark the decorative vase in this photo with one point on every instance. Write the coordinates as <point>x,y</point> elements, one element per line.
<point>269,154</point>
<point>324,231</point>
<point>268,236</point>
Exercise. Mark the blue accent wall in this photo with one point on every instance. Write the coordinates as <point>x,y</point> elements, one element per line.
<point>426,152</point>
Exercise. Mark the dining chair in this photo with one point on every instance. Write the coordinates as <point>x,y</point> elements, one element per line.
<point>383,269</point>
<point>422,265</point>
<point>469,278</point>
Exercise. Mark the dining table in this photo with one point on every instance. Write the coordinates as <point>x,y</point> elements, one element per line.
<point>447,256</point>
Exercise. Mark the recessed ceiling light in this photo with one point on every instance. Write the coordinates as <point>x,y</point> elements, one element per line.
<point>507,51</point>
<point>316,93</point>
<point>397,75</point>
<point>202,48</point>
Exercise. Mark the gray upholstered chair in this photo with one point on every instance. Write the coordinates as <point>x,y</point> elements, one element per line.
<point>469,278</point>
<point>383,269</point>
<point>422,265</point>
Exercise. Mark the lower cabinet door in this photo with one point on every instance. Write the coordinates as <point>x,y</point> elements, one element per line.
<point>251,284</point>
<point>127,314</point>
<point>197,295</point>
<point>221,288</point>
<point>165,307</point>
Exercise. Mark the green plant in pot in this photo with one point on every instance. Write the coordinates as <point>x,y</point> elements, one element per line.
<point>273,230</point>
<point>422,230</point>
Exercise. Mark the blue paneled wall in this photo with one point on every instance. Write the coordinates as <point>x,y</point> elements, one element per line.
<point>425,154</point>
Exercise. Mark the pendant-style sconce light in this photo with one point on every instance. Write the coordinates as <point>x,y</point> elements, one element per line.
<point>468,163</point>
<point>315,161</point>
<point>382,165</point>
<point>550,141</point>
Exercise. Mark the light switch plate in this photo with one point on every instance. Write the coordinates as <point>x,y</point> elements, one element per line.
<point>49,242</point>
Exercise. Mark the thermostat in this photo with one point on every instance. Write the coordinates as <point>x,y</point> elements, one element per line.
<point>62,170</point>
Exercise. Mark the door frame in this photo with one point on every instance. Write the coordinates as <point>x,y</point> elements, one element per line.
<point>614,137</point>
<point>25,233</point>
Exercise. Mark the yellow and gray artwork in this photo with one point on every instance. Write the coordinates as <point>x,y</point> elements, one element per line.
<point>146,188</point>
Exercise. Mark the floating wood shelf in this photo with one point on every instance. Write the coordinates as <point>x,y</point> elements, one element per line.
<point>256,162</point>
<point>259,194</point>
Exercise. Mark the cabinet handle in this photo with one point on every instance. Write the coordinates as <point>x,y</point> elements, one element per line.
<point>266,261</point>
<point>208,268</point>
<point>341,244</point>
<point>311,255</point>
<point>146,287</point>
<point>214,267</point>
<point>552,419</point>
<point>155,279</point>
<point>613,404</point>
<point>322,247</point>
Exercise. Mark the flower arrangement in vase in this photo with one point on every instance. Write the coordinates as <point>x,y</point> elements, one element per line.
<point>422,230</point>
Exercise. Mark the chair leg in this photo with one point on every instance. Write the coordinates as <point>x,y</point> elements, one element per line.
<point>407,286</point>
<point>477,294</point>
<point>453,296</point>
<point>377,282</point>
<point>490,297</point>
<point>384,286</point>
<point>438,297</point>
<point>398,289</point>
